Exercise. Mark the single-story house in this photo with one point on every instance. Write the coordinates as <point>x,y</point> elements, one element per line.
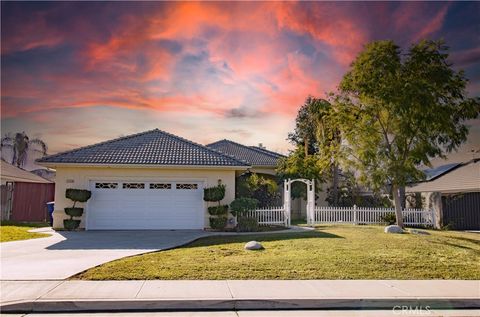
<point>453,191</point>
<point>149,180</point>
<point>24,195</point>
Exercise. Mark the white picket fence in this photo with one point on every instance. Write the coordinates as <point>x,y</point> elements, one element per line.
<point>361,215</point>
<point>269,216</point>
<point>353,215</point>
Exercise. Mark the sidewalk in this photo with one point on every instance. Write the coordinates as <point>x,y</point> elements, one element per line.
<point>83,296</point>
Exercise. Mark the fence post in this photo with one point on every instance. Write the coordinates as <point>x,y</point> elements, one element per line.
<point>355,214</point>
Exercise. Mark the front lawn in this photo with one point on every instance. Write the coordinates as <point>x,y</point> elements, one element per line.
<point>12,231</point>
<point>329,252</point>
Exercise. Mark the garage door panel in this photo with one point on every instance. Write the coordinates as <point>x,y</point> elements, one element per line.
<point>145,206</point>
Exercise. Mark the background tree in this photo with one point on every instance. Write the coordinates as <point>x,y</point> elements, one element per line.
<point>259,187</point>
<point>316,139</point>
<point>397,111</point>
<point>20,144</point>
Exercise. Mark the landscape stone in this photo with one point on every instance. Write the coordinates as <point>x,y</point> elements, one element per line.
<point>253,245</point>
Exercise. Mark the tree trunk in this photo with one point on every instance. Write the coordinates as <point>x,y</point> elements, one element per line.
<point>335,184</point>
<point>398,205</point>
<point>402,196</point>
<point>306,141</point>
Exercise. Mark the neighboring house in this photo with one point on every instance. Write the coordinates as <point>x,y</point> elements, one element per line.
<point>24,194</point>
<point>453,190</point>
<point>261,160</point>
<point>149,180</point>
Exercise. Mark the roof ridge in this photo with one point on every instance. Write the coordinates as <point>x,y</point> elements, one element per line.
<point>250,147</point>
<point>265,151</point>
<point>204,147</point>
<point>96,144</point>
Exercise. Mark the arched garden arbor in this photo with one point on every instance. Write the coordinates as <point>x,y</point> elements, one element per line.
<point>287,198</point>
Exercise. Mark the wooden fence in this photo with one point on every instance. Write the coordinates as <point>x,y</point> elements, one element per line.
<point>361,215</point>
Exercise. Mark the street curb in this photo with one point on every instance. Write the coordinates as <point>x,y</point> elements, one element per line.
<point>118,305</point>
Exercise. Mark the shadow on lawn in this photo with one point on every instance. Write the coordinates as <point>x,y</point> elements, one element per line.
<point>217,240</point>
<point>152,240</point>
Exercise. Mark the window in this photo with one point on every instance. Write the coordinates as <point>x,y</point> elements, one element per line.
<point>133,185</point>
<point>106,185</point>
<point>187,186</point>
<point>160,186</point>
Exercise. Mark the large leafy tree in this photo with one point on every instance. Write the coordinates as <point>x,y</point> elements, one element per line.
<point>398,110</point>
<point>21,144</point>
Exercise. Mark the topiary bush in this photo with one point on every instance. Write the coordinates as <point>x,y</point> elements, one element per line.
<point>213,194</point>
<point>76,195</point>
<point>219,212</point>
<point>218,223</point>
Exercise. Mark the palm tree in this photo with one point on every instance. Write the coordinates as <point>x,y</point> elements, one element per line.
<point>20,143</point>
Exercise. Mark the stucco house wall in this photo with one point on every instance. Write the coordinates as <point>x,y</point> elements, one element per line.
<point>80,177</point>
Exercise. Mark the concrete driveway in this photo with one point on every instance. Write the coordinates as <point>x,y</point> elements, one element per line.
<point>67,253</point>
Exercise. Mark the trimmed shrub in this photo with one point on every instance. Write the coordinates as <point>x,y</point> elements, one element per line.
<point>215,193</point>
<point>74,211</point>
<point>71,224</point>
<point>241,205</point>
<point>389,218</point>
<point>218,210</point>
<point>218,223</point>
<point>247,224</point>
<point>77,195</point>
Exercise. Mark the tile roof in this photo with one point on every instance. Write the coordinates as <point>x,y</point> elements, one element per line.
<point>254,155</point>
<point>153,147</point>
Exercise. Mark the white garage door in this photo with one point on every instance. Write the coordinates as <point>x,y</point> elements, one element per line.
<point>130,205</point>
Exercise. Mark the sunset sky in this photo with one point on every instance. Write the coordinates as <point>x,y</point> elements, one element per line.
<point>78,73</point>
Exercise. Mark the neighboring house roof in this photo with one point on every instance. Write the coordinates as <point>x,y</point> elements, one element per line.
<point>463,177</point>
<point>154,147</point>
<point>11,173</point>
<point>432,173</point>
<point>45,173</point>
<point>254,155</point>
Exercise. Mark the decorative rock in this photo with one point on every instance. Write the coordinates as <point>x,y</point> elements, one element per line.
<point>415,231</point>
<point>253,245</point>
<point>393,229</point>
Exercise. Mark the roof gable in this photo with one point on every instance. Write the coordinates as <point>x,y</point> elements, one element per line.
<point>252,154</point>
<point>154,147</point>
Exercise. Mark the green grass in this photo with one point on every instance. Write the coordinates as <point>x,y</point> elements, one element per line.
<point>13,231</point>
<point>330,252</point>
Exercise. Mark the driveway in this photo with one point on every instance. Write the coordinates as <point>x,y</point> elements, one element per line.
<point>67,253</point>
